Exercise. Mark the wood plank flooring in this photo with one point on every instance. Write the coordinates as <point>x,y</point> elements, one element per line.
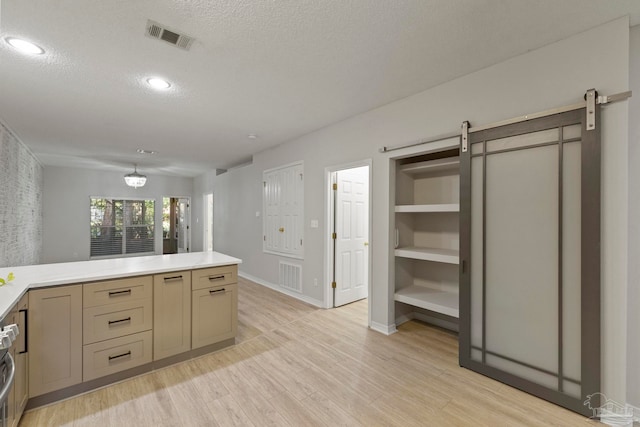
<point>296,365</point>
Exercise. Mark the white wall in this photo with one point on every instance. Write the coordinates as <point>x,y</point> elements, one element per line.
<point>553,76</point>
<point>633,305</point>
<point>66,206</point>
<point>20,202</point>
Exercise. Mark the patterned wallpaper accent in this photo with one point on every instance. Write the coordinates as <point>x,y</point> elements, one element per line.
<point>21,185</point>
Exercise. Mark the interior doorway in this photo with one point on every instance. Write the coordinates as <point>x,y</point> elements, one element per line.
<point>176,225</point>
<point>208,222</point>
<point>349,231</point>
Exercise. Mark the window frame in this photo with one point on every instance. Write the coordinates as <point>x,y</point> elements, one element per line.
<point>125,226</point>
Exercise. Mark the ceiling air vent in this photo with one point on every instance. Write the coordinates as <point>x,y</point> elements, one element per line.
<point>161,32</point>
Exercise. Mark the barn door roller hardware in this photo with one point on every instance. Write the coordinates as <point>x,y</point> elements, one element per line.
<point>591,99</point>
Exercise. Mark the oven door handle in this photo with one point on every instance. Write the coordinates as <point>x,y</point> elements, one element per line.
<point>4,393</point>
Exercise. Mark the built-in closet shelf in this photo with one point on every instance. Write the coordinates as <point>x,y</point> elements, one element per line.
<point>429,299</point>
<point>431,166</point>
<point>443,207</point>
<point>449,256</point>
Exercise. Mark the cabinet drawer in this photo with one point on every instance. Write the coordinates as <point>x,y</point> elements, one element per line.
<point>214,314</point>
<point>117,291</point>
<point>115,320</point>
<point>118,354</point>
<point>215,276</point>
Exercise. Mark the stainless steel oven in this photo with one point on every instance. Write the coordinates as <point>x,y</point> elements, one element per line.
<point>7,369</point>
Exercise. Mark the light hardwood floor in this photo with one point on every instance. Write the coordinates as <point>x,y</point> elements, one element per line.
<point>296,365</point>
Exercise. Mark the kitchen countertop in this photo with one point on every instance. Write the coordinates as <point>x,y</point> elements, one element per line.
<point>66,273</point>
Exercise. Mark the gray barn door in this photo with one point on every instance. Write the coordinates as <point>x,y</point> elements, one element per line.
<point>530,257</point>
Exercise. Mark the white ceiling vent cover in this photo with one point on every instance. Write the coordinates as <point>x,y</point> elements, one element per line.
<point>161,32</point>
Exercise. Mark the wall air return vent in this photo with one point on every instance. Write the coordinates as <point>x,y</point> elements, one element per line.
<point>161,32</point>
<point>291,276</point>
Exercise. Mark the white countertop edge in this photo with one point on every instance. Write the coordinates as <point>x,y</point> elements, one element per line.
<point>68,273</point>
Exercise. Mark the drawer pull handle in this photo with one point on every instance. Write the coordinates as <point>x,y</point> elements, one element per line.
<point>128,353</point>
<point>118,293</point>
<point>166,279</point>
<point>220,277</point>
<point>111,322</point>
<point>215,291</point>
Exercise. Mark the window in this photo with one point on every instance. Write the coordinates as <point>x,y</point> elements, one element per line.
<point>121,227</point>
<point>283,199</point>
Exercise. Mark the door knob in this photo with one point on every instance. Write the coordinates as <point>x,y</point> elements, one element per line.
<point>281,229</point>
<point>366,243</point>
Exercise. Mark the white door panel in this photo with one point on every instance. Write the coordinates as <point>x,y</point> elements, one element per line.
<point>352,227</point>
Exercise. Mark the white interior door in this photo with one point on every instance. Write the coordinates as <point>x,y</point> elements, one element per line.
<point>352,235</point>
<point>183,219</point>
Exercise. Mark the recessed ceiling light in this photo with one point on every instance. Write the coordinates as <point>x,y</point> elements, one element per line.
<point>158,83</point>
<point>25,46</point>
<point>252,136</point>
<point>143,151</point>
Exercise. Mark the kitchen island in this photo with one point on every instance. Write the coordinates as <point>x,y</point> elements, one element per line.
<point>64,273</point>
<point>88,324</point>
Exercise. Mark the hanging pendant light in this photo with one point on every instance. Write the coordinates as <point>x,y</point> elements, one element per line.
<point>135,179</point>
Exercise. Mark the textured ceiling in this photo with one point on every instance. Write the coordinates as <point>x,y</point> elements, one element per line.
<point>275,68</point>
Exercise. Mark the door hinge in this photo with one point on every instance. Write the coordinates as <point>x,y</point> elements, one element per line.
<point>334,236</point>
<point>264,238</point>
<point>264,184</point>
<point>187,227</point>
<point>300,242</point>
<point>333,285</point>
<point>301,177</point>
<point>335,186</point>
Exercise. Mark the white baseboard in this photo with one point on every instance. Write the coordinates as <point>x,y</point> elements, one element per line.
<point>427,319</point>
<point>383,329</point>
<point>301,297</point>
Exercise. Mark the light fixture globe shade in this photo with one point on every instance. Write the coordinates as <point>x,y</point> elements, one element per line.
<point>25,46</point>
<point>158,83</point>
<point>135,179</point>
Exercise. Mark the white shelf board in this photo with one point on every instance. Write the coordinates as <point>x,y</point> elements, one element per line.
<point>448,163</point>
<point>449,256</point>
<point>443,207</point>
<point>429,299</point>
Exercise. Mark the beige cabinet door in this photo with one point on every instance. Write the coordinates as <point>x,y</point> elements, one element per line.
<point>55,338</point>
<point>21,382</point>
<point>214,314</point>
<point>171,314</point>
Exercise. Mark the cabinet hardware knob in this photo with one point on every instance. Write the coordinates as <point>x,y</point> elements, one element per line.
<point>281,229</point>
